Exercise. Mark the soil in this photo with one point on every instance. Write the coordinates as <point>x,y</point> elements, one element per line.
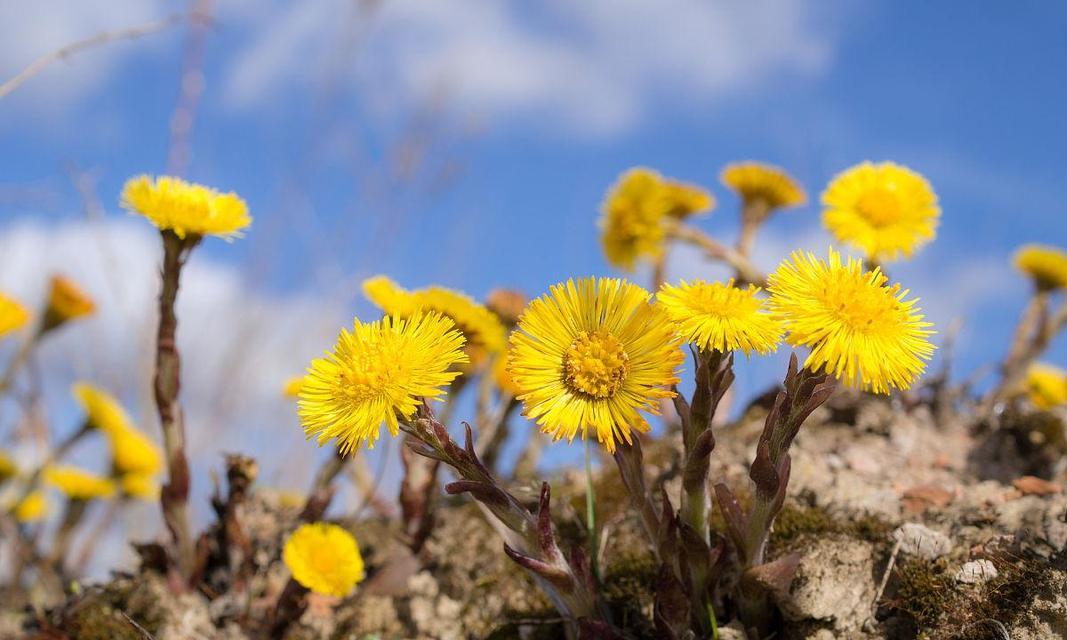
<point>970,510</point>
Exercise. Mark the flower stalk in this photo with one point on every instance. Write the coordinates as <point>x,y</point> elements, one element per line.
<point>532,542</point>
<point>803,392</point>
<point>174,496</point>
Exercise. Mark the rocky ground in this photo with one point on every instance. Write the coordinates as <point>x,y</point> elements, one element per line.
<point>910,520</point>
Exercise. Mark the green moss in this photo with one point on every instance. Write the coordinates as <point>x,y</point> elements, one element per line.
<point>923,589</point>
<point>795,522</point>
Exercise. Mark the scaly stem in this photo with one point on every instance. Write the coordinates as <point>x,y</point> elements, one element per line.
<point>590,510</point>
<point>174,497</point>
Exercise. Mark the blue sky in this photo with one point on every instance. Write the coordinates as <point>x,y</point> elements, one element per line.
<point>526,116</point>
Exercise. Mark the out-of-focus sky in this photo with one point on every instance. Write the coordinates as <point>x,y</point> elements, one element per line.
<point>469,143</point>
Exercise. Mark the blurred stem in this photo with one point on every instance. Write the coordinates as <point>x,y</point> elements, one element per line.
<point>590,510</point>
<point>753,213</point>
<point>72,516</point>
<point>58,453</point>
<point>174,497</point>
<point>81,561</point>
<point>17,361</point>
<point>630,461</point>
<point>1032,335</point>
<point>746,271</point>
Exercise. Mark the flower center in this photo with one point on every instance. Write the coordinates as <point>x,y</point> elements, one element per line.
<point>373,373</point>
<point>858,307</point>
<point>595,364</point>
<point>879,206</point>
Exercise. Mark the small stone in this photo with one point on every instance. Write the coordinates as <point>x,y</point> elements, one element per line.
<point>924,496</point>
<point>976,571</point>
<point>918,540</point>
<point>1034,486</point>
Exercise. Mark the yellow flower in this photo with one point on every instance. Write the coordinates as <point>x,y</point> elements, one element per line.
<point>8,468</point>
<point>78,484</point>
<point>721,317</point>
<point>293,386</point>
<point>763,183</point>
<point>134,452</point>
<point>591,355</point>
<point>633,215</point>
<point>32,508</point>
<point>13,316</point>
<point>66,301</point>
<point>886,210</point>
<point>858,328</point>
<point>684,200</point>
<point>1046,265</point>
<point>378,372</point>
<point>186,208</point>
<point>324,558</point>
<point>139,485</point>
<point>483,330</point>
<point>1046,385</point>
<point>502,378</point>
<point>102,410</point>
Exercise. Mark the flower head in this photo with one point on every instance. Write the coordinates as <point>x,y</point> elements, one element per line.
<point>134,452</point>
<point>186,208</point>
<point>139,485</point>
<point>1046,265</point>
<point>1046,385</point>
<point>886,210</point>
<point>637,210</point>
<point>593,354</point>
<point>31,508</point>
<point>483,330</point>
<point>78,484</point>
<point>758,182</point>
<point>721,317</point>
<point>102,410</point>
<point>324,558</point>
<point>858,328</point>
<point>379,372</point>
<point>13,316</point>
<point>66,301</point>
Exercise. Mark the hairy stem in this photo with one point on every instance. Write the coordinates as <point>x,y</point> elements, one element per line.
<point>174,497</point>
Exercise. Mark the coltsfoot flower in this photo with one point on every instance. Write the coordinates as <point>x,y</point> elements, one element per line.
<point>764,183</point>
<point>79,484</point>
<point>186,208</point>
<point>379,372</point>
<point>483,330</point>
<point>139,485</point>
<point>858,328</point>
<point>591,355</point>
<point>1046,266</point>
<point>1046,385</point>
<point>721,317</point>
<point>31,508</point>
<point>886,210</point>
<point>13,316</point>
<point>134,452</point>
<point>102,410</point>
<point>324,558</point>
<point>636,210</point>
<point>66,302</point>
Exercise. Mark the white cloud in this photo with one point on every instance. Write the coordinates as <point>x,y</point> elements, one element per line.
<point>598,67</point>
